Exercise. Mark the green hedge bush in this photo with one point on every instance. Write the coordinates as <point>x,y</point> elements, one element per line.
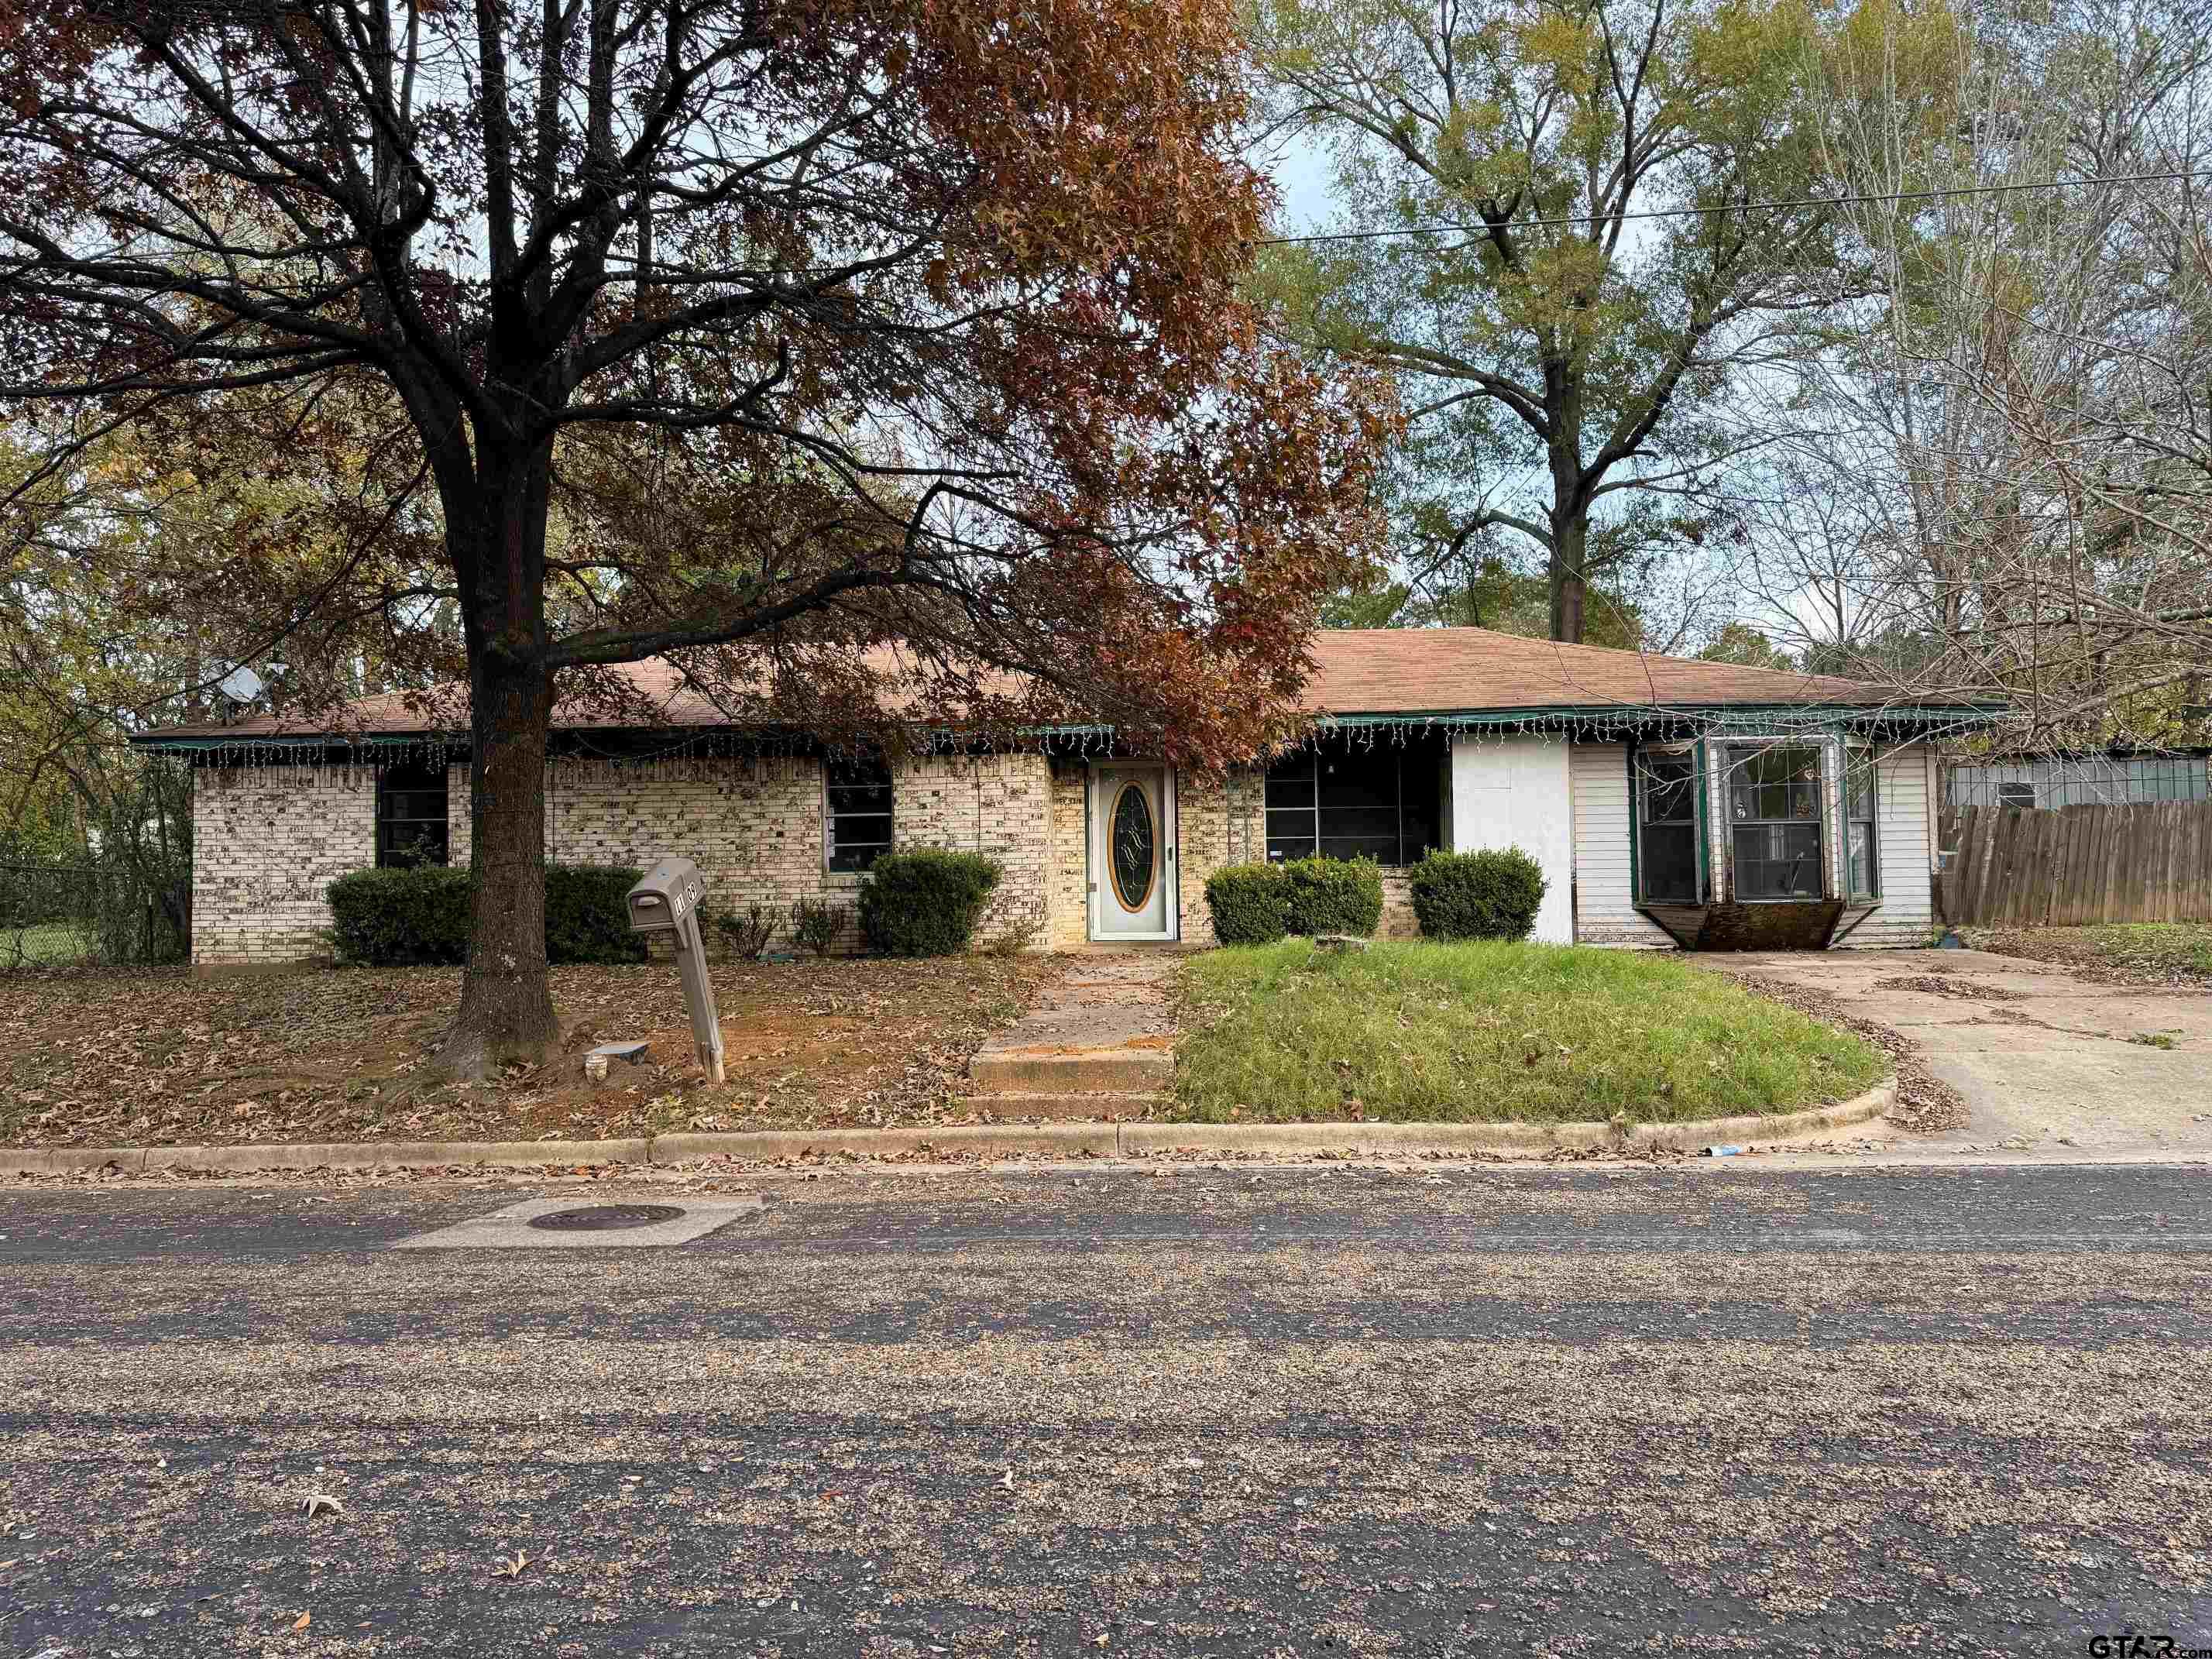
<point>587,914</point>
<point>926,902</point>
<point>395,918</point>
<point>1246,903</point>
<point>1493,894</point>
<point>1332,896</point>
<point>391,918</point>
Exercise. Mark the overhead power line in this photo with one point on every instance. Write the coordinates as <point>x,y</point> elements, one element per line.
<point>1480,229</point>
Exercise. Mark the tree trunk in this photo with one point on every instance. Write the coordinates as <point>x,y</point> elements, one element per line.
<point>507,1000</point>
<point>1570,578</point>
<point>1570,512</point>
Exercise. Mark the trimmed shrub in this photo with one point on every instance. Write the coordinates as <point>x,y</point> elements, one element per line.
<point>587,914</point>
<point>1332,896</point>
<point>926,902</point>
<point>1246,902</point>
<point>391,918</point>
<point>396,918</point>
<point>1492,894</point>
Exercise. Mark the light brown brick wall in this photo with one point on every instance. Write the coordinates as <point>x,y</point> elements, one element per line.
<point>1225,822</point>
<point>268,840</point>
<point>997,805</point>
<point>1067,878</point>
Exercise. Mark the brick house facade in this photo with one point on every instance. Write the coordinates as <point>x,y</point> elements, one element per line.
<point>269,839</point>
<point>1560,749</point>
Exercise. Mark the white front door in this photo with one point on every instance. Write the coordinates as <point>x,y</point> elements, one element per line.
<point>1132,851</point>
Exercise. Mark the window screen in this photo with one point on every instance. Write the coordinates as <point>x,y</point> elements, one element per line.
<point>411,816</point>
<point>858,797</point>
<point>1667,818</point>
<point>1774,808</point>
<point>1351,800</point>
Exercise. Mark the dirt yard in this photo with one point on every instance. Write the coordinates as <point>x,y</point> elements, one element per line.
<point>91,1058</point>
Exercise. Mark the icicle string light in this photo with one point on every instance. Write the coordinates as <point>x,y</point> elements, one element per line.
<point>661,754</point>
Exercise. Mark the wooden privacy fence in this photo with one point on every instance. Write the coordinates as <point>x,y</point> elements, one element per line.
<point>2028,867</point>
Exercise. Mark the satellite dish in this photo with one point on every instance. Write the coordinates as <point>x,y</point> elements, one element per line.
<point>240,685</point>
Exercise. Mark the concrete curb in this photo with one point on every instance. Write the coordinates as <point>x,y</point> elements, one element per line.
<point>1013,1140</point>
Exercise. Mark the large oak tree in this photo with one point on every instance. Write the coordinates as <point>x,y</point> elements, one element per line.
<point>767,337</point>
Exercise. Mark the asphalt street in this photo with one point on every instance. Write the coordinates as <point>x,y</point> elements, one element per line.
<point>1464,1410</point>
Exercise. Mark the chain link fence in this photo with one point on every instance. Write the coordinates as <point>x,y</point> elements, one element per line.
<point>124,896</point>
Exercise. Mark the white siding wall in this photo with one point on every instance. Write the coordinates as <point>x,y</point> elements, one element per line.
<point>1901,832</point>
<point>1605,906</point>
<point>1514,791</point>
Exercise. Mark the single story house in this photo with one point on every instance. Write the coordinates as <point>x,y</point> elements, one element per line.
<point>1669,801</point>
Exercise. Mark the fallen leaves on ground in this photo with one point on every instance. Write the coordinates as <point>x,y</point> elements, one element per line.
<point>160,1057</point>
<point>1949,985</point>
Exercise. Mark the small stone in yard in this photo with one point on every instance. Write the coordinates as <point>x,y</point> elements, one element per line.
<point>1338,943</point>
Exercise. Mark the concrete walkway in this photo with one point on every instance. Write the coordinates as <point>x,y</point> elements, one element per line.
<point>1100,1044</point>
<point>2045,1058</point>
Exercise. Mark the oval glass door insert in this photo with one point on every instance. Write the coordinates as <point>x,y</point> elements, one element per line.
<point>1133,847</point>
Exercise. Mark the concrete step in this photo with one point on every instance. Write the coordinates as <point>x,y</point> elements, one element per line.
<point>1061,1068</point>
<point>1058,1108</point>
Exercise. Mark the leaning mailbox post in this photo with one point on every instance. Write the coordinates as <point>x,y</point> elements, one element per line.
<point>668,901</point>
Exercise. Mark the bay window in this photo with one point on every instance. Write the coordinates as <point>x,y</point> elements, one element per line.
<point>1774,813</point>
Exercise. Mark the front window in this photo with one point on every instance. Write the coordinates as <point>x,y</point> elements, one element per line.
<point>858,810</point>
<point>1345,799</point>
<point>1774,810</point>
<point>1667,819</point>
<point>411,816</point>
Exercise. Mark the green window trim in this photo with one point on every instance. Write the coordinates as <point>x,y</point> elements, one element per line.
<point>1665,851</point>
<point>1771,802</point>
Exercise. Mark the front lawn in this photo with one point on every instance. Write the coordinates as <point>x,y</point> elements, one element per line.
<point>2120,953</point>
<point>1494,1033</point>
<point>107,1058</point>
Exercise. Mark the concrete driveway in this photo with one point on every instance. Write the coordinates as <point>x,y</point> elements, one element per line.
<point>2043,1058</point>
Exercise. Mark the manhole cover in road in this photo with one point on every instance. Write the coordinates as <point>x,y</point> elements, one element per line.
<point>605,1217</point>
<point>562,1223</point>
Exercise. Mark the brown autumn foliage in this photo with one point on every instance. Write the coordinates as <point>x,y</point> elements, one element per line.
<point>760,336</point>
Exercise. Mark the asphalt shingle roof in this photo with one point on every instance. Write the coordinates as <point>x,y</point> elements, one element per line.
<point>1384,671</point>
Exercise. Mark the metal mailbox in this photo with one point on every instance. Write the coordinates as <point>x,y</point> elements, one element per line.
<point>669,893</point>
<point>668,901</point>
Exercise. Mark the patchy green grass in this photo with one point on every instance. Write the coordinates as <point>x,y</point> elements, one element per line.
<point>1491,1032</point>
<point>2123,952</point>
<point>45,945</point>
